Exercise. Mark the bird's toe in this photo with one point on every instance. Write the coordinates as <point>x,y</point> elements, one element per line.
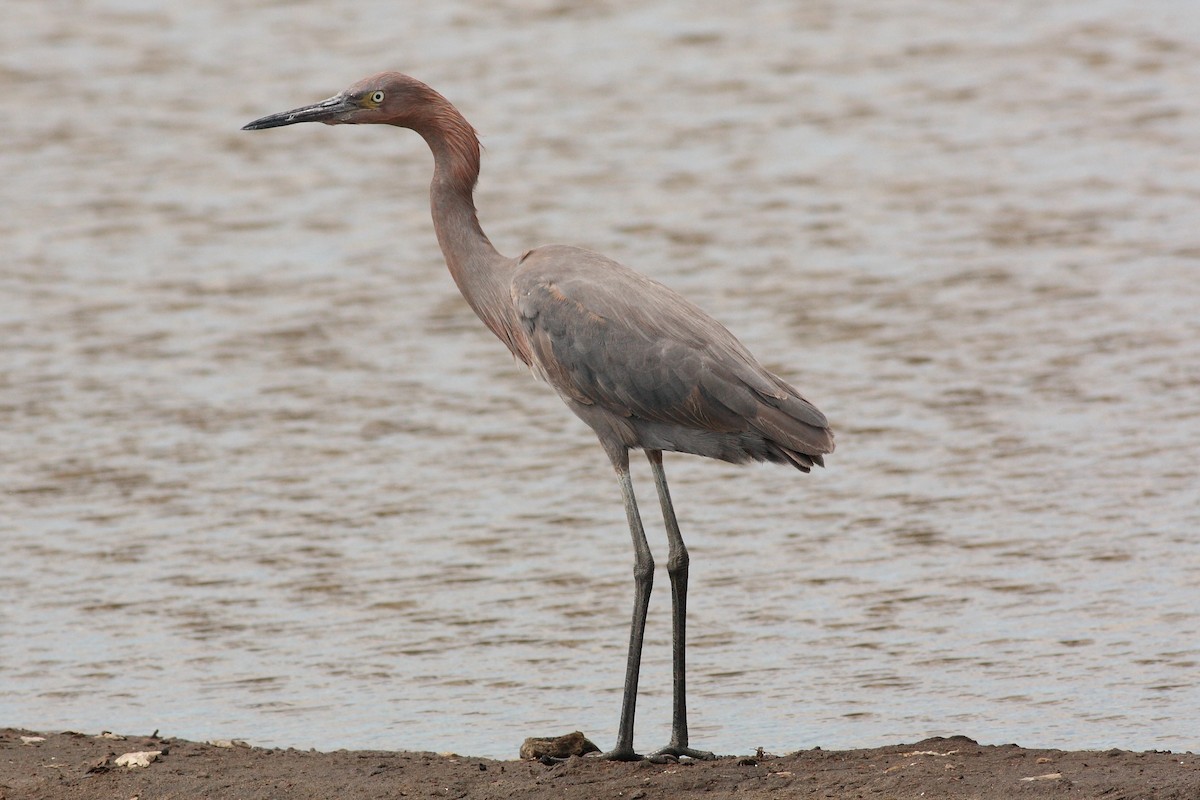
<point>620,754</point>
<point>674,753</point>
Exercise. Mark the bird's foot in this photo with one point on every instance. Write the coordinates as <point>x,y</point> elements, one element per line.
<point>668,754</point>
<point>674,753</point>
<point>621,754</point>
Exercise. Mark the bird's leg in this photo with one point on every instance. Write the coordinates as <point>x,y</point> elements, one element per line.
<point>643,581</point>
<point>677,568</point>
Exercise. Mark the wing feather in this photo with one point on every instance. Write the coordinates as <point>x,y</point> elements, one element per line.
<point>605,335</point>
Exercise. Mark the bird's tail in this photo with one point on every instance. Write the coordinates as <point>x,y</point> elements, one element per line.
<point>796,432</point>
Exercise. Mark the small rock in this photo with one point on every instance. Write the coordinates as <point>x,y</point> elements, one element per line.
<point>227,743</point>
<point>32,739</point>
<point>572,744</point>
<point>142,758</point>
<point>98,767</point>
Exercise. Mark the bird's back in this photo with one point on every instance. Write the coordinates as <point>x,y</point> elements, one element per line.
<point>646,368</point>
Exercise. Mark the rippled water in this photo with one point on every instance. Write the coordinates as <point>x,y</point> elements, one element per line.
<point>265,476</point>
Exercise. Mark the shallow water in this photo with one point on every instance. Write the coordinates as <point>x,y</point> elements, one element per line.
<point>265,476</point>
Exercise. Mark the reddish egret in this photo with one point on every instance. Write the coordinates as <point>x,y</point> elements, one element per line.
<point>642,366</point>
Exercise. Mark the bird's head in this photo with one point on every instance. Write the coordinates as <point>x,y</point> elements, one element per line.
<point>389,98</point>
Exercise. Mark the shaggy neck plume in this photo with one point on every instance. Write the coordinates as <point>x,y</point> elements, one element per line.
<point>480,272</point>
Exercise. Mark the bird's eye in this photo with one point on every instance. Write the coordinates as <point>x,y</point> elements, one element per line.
<point>377,97</point>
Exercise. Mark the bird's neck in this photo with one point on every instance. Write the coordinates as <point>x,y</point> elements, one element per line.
<point>480,272</point>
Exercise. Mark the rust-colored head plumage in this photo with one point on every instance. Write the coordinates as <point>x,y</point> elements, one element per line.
<point>393,98</point>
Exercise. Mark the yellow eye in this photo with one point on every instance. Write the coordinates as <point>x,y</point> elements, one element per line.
<point>376,97</point>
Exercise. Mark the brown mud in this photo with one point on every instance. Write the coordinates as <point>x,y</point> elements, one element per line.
<point>69,766</point>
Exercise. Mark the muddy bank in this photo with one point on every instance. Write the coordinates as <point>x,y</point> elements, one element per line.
<point>58,766</point>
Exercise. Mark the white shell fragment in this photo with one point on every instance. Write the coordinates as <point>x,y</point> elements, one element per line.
<point>138,759</point>
<point>1050,776</point>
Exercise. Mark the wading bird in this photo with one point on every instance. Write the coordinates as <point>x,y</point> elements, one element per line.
<point>638,363</point>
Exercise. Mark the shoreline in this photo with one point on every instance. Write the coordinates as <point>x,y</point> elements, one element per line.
<point>73,765</point>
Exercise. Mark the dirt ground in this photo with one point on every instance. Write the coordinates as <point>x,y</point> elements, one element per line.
<point>58,766</point>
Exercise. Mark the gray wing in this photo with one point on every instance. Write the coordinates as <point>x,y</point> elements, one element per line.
<point>605,335</point>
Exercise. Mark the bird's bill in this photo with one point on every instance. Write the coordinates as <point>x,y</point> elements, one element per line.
<point>329,111</point>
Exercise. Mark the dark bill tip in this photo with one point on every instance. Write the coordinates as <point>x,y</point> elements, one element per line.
<point>324,111</point>
<point>272,121</point>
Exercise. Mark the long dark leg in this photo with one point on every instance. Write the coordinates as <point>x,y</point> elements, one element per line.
<point>677,568</point>
<point>643,581</point>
